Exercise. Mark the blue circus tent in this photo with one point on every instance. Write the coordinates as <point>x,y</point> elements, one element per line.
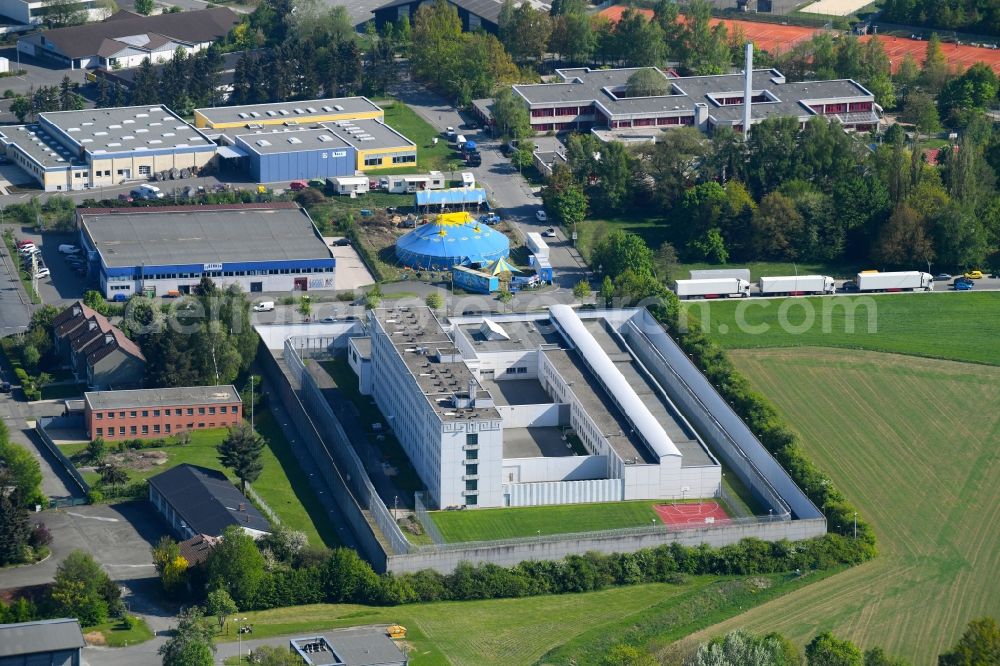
<point>452,239</point>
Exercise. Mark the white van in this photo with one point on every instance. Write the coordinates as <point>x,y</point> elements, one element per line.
<point>264,306</point>
<point>149,192</point>
<point>69,249</point>
<point>460,141</point>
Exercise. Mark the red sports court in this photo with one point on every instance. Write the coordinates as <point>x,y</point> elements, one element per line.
<point>700,513</point>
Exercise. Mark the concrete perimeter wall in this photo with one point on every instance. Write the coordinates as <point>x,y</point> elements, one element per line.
<point>566,468</point>
<point>446,558</point>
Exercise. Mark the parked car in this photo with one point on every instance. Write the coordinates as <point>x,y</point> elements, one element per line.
<point>964,285</point>
<point>490,219</point>
<point>540,214</point>
<point>297,185</point>
<point>449,132</point>
<point>264,306</point>
<point>942,277</point>
<point>341,242</point>
<point>120,298</point>
<point>23,242</point>
<point>68,249</point>
<point>27,250</point>
<point>329,320</point>
<point>4,387</point>
<point>974,274</point>
<point>126,198</point>
<point>42,273</point>
<point>550,232</point>
<point>849,286</point>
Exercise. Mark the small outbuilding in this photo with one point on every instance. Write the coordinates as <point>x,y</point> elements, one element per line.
<point>349,184</point>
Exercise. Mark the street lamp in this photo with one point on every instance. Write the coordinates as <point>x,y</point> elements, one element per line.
<point>855,525</point>
<point>239,630</point>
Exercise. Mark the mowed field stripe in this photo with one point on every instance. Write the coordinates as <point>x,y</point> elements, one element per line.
<point>915,444</point>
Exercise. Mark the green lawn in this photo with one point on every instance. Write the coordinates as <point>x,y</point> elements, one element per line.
<point>490,524</point>
<point>962,326</point>
<point>282,484</point>
<point>430,157</point>
<point>915,444</point>
<point>116,635</point>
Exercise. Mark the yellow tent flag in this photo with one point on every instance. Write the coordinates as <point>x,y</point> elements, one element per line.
<point>453,219</point>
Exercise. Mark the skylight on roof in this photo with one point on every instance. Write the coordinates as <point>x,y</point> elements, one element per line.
<point>294,139</point>
<point>271,113</point>
<point>243,115</point>
<point>166,134</point>
<point>263,142</point>
<point>327,109</point>
<point>154,142</point>
<point>154,109</point>
<point>338,107</point>
<point>283,112</point>
<point>255,114</point>
<point>138,115</point>
<point>310,109</point>
<point>100,133</point>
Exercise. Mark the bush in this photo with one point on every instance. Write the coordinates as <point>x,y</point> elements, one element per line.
<point>346,296</point>
<point>40,536</point>
<point>95,496</point>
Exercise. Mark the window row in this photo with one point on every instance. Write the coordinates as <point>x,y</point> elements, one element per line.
<point>222,409</point>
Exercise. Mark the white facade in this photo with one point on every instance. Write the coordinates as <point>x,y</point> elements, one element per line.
<point>33,13</point>
<point>460,455</point>
<point>251,284</point>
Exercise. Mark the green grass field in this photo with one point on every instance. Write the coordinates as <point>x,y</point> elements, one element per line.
<point>282,484</point>
<point>405,120</point>
<point>963,326</point>
<point>915,444</point>
<point>116,635</point>
<point>490,524</point>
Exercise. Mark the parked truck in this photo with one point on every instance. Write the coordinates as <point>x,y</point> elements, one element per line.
<point>713,288</point>
<point>898,281</point>
<point>796,285</point>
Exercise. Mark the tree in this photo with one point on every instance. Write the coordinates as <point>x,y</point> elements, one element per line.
<point>582,290</point>
<point>434,301</point>
<point>628,655</point>
<point>671,163</point>
<point>703,48</point>
<point>144,7</point>
<point>666,261</point>
<point>739,648</point>
<point>170,565</point>
<point>774,155</point>
<point>94,299</point>
<point>112,475</point>
<point>920,110</point>
<point>614,176</point>
<point>373,297</point>
<point>526,33</point>
<point>569,206</point>
<point>236,565</point>
<point>646,82</point>
<point>974,90</point>
<point>191,643</point>
<point>15,527</point>
<point>607,291</point>
<point>84,591</point>
<point>284,543</point>
<point>240,451</point>
<point>621,250</point>
<point>572,36</point>
<point>62,13</point>
<point>21,108</point>
<point>267,655</point>
<point>905,239</point>
<point>978,646</point>
<point>876,656</point>
<point>510,116</point>
<point>936,71</point>
<point>221,605</point>
<point>827,650</point>
<point>305,306</point>
<point>23,469</point>
<point>777,225</point>
<point>505,295</point>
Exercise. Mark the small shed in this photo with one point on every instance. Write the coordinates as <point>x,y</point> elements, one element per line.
<point>468,179</point>
<point>473,280</point>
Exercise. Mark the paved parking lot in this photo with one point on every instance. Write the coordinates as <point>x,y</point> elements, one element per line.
<point>63,285</point>
<point>119,536</point>
<point>351,271</point>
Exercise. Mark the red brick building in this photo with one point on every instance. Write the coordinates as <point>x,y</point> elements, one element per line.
<point>152,413</point>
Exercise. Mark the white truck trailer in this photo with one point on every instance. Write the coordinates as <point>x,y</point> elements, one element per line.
<point>796,285</point>
<point>713,288</point>
<point>898,281</point>
<point>537,245</point>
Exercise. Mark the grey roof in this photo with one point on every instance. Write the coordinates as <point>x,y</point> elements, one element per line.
<point>147,237</point>
<point>310,110</point>
<point>162,397</point>
<point>26,638</point>
<point>364,346</point>
<point>592,86</point>
<point>206,500</point>
<point>371,649</point>
<point>126,128</point>
<point>126,77</point>
<point>193,27</point>
<point>369,134</point>
<point>487,9</point>
<point>432,360</point>
<point>271,140</point>
<point>41,146</point>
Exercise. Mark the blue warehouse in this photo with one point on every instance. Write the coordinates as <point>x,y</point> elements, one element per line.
<point>166,251</point>
<point>297,154</point>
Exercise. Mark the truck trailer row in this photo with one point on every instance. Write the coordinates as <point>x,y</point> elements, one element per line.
<point>802,285</point>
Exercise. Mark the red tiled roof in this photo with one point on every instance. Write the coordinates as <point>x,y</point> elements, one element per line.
<point>73,324</point>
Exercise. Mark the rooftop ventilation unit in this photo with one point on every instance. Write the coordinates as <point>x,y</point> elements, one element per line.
<point>254,126</point>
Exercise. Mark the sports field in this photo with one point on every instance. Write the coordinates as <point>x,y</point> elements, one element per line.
<point>490,524</point>
<point>915,444</point>
<point>962,327</point>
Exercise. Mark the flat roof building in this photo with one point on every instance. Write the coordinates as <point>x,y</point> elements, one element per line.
<point>326,150</point>
<point>197,500</point>
<point>485,408</point>
<point>349,647</point>
<point>587,99</point>
<point>305,112</point>
<point>75,150</point>
<point>41,642</point>
<point>168,250</point>
<point>153,413</point>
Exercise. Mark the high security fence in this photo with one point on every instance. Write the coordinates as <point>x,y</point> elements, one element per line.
<point>335,441</point>
<point>40,426</point>
<point>425,519</point>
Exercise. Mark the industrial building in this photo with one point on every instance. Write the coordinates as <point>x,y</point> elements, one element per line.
<point>552,407</point>
<point>289,114</point>
<point>452,239</point>
<point>76,150</point>
<point>41,643</point>
<point>160,412</point>
<point>166,251</point>
<point>124,39</point>
<point>596,100</point>
<point>197,500</point>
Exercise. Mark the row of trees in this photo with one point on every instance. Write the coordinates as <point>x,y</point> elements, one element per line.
<point>20,491</point>
<point>184,83</point>
<point>979,644</point>
<point>978,16</point>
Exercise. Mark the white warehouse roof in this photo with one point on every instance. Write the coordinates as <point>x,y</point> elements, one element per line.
<point>614,381</point>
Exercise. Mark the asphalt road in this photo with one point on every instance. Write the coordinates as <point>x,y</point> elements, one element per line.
<point>15,311</point>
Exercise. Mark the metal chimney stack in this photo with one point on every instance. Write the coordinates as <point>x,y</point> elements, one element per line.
<point>748,90</point>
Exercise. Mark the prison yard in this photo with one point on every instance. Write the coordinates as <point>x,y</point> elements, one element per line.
<point>913,441</point>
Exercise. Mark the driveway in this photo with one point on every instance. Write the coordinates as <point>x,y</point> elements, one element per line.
<point>15,311</point>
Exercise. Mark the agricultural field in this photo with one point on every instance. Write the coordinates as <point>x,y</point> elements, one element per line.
<point>530,630</point>
<point>915,444</point>
<point>961,327</point>
<point>282,484</point>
